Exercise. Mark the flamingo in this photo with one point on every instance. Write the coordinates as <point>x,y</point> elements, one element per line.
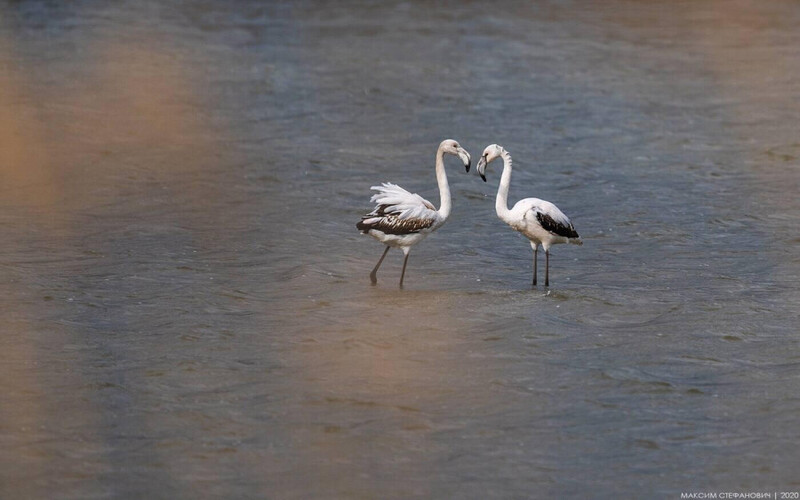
<point>402,219</point>
<point>540,221</point>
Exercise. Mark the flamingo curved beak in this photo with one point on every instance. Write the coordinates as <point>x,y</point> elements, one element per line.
<point>465,158</point>
<point>481,168</point>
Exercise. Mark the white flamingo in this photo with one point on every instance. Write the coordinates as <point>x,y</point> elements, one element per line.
<point>540,221</point>
<point>402,219</point>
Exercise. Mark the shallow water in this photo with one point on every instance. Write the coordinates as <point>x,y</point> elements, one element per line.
<point>186,301</point>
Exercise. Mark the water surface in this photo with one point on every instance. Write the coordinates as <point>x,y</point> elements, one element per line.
<point>187,311</point>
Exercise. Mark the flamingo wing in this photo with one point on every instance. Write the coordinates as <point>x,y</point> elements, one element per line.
<point>398,211</point>
<point>551,218</point>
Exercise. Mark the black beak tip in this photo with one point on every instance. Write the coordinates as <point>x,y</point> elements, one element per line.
<point>483,177</point>
<point>469,164</point>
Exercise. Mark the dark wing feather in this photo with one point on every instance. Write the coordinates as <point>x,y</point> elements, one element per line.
<point>555,227</point>
<point>389,222</point>
<point>398,212</point>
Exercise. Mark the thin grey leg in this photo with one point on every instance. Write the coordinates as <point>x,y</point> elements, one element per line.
<point>535,259</point>
<point>373,276</point>
<point>403,274</point>
<point>547,268</point>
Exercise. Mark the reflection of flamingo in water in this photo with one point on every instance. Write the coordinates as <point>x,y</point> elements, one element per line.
<point>402,219</point>
<point>540,221</point>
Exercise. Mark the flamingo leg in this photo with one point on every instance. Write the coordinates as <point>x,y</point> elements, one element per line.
<point>535,259</point>
<point>547,268</point>
<point>403,273</point>
<point>373,276</point>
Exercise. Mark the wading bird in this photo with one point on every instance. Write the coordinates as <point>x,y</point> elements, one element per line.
<point>540,221</point>
<point>402,219</point>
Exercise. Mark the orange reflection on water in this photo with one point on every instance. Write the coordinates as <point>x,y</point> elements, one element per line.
<point>380,379</point>
<point>125,124</point>
<point>25,171</point>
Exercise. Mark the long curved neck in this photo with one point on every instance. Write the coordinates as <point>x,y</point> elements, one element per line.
<point>501,203</point>
<point>444,188</point>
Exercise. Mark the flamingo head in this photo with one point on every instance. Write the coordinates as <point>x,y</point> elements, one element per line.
<point>491,153</point>
<point>452,147</point>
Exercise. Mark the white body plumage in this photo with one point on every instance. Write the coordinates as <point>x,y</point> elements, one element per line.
<point>401,219</point>
<point>525,217</point>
